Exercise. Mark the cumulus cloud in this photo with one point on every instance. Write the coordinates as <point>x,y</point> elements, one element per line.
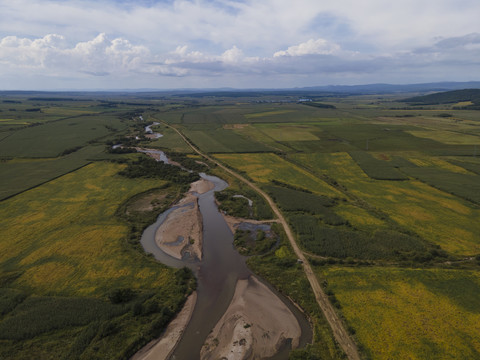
<point>316,47</point>
<point>114,58</point>
<point>51,53</point>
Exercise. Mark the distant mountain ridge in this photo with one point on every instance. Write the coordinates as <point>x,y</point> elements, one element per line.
<point>235,92</point>
<point>392,88</point>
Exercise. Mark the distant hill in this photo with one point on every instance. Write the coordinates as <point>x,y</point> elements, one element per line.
<point>449,97</point>
<point>308,92</point>
<point>392,88</point>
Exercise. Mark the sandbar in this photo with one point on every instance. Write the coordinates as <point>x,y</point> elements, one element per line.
<point>256,324</point>
<point>201,186</point>
<point>181,231</point>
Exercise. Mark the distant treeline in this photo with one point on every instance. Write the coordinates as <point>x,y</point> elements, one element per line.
<point>319,105</point>
<point>53,99</point>
<point>449,97</point>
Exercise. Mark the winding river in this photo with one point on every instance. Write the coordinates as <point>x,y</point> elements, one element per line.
<point>217,274</point>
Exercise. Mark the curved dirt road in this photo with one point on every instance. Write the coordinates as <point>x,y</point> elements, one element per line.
<point>341,335</point>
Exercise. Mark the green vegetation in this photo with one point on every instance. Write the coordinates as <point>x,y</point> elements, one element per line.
<point>254,241</point>
<point>20,175</point>
<point>449,97</point>
<point>55,138</point>
<point>463,185</point>
<point>409,313</point>
<point>381,194</point>
<point>220,140</point>
<point>146,167</point>
<point>235,202</point>
<point>377,169</point>
<point>64,263</point>
<point>281,269</point>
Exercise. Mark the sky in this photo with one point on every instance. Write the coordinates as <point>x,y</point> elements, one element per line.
<point>172,44</point>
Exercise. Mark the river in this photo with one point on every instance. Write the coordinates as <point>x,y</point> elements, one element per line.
<point>217,274</point>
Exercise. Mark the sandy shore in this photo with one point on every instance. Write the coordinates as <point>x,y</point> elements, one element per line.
<point>201,186</point>
<point>254,326</point>
<point>182,230</point>
<point>160,349</point>
<point>233,222</point>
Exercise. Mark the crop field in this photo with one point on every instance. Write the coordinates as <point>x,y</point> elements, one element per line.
<point>288,132</point>
<point>64,248</point>
<point>410,313</point>
<point>288,113</point>
<point>21,174</point>
<point>382,197</point>
<point>447,137</point>
<point>377,169</point>
<point>51,139</point>
<point>264,168</point>
<point>254,133</point>
<point>170,141</point>
<point>221,140</point>
<point>436,216</point>
<point>87,199</point>
<point>471,166</point>
<point>212,115</point>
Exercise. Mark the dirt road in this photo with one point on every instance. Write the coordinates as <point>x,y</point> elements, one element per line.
<point>339,331</point>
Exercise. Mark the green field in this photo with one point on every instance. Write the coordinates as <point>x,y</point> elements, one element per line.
<point>54,138</point>
<point>382,196</point>
<point>410,313</point>
<point>21,174</point>
<point>64,248</point>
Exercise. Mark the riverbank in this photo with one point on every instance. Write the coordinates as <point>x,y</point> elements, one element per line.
<point>233,222</point>
<point>162,347</point>
<point>255,326</point>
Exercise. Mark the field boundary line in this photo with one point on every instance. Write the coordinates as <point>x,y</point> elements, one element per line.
<point>340,333</point>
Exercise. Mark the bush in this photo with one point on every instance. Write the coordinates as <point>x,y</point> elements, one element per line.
<point>121,296</point>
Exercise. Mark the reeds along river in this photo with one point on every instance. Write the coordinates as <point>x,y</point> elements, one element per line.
<point>217,274</point>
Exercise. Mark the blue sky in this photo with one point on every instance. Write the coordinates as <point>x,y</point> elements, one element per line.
<point>164,44</point>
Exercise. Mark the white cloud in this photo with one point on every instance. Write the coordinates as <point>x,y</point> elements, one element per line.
<point>236,39</point>
<point>316,47</point>
<point>50,53</point>
<point>233,55</point>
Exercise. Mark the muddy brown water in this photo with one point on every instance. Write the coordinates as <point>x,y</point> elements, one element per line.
<point>217,274</point>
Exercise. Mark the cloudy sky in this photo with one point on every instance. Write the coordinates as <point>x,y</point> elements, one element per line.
<point>164,44</point>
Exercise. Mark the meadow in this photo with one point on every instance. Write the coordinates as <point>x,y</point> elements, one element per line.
<point>436,216</point>
<point>400,313</point>
<point>22,174</point>
<point>56,138</point>
<point>64,250</point>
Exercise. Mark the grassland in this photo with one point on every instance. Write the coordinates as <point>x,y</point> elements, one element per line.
<point>54,138</point>
<point>281,269</point>
<point>220,140</point>
<point>21,174</point>
<point>410,313</point>
<point>436,216</point>
<point>264,168</point>
<point>382,196</point>
<point>63,244</point>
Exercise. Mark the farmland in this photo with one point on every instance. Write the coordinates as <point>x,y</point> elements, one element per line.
<point>381,195</point>
<point>80,256</point>
<point>433,312</point>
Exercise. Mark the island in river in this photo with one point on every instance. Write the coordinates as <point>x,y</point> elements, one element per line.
<point>256,323</point>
